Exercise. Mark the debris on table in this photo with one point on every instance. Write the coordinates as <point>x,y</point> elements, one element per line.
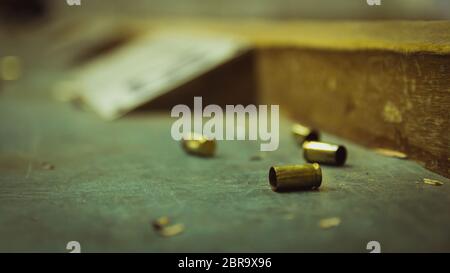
<point>199,145</point>
<point>161,225</point>
<point>172,230</point>
<point>432,182</point>
<point>257,157</point>
<point>47,166</point>
<point>331,222</point>
<point>161,222</point>
<point>390,153</point>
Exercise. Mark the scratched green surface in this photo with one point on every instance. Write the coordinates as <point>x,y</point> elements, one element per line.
<point>112,178</point>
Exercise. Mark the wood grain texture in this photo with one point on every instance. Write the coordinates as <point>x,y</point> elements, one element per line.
<point>376,98</point>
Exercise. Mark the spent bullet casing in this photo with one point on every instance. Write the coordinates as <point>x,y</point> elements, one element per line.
<point>302,133</point>
<point>295,177</point>
<point>326,153</point>
<point>199,145</point>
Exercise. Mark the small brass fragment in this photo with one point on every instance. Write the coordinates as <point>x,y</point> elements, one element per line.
<point>199,145</point>
<point>161,222</point>
<point>163,227</point>
<point>331,222</point>
<point>432,182</point>
<point>390,153</point>
<point>172,230</point>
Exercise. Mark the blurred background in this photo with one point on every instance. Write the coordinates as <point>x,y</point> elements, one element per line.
<point>271,9</point>
<point>51,25</point>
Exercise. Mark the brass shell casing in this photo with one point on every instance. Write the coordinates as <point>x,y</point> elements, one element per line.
<point>199,145</point>
<point>326,153</point>
<point>302,133</point>
<point>295,177</point>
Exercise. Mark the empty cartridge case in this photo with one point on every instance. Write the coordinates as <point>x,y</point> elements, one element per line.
<point>302,133</point>
<point>199,145</point>
<point>295,177</point>
<point>326,153</point>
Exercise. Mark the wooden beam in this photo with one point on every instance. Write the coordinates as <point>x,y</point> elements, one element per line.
<point>373,97</point>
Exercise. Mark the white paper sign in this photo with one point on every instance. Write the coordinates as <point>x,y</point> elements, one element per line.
<point>150,67</point>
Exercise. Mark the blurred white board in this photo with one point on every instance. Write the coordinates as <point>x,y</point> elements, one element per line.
<point>149,67</point>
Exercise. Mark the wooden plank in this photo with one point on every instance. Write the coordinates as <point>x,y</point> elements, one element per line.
<point>376,98</point>
<point>398,36</point>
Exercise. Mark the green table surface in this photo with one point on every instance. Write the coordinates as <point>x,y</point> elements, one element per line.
<point>111,179</point>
